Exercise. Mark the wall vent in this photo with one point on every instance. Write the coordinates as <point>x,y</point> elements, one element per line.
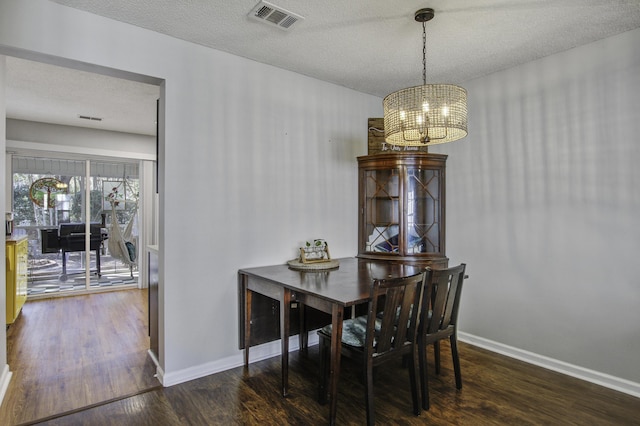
<point>274,16</point>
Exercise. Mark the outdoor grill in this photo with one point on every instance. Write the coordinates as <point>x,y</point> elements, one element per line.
<point>70,237</point>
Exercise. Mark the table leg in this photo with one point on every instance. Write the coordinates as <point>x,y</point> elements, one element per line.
<point>303,336</point>
<point>284,336</point>
<point>334,366</point>
<point>247,320</point>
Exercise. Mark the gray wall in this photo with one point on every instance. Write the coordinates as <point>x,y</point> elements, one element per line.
<point>114,143</point>
<point>543,203</point>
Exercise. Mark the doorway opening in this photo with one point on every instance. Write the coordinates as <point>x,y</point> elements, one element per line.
<point>56,202</point>
<point>67,137</point>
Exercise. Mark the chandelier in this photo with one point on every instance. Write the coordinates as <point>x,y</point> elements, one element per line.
<point>425,115</point>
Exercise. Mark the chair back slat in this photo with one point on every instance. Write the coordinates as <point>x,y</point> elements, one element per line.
<point>453,300</point>
<point>443,288</point>
<point>397,324</point>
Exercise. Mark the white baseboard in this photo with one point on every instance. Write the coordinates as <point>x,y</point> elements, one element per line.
<point>256,353</point>
<point>5,378</point>
<point>608,381</point>
<point>271,349</point>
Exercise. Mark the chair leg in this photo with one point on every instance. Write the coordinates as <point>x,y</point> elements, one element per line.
<point>413,378</point>
<point>456,361</point>
<point>422,367</point>
<point>369,394</point>
<point>436,355</point>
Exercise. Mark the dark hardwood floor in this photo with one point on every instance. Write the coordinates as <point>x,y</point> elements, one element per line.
<point>72,352</point>
<point>497,390</point>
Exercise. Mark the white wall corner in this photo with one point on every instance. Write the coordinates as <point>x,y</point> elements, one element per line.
<point>596,377</point>
<point>5,378</point>
<point>159,370</point>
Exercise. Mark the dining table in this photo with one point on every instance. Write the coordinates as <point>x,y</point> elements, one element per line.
<point>331,291</point>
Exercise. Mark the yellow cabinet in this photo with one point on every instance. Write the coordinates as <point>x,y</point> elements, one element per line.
<point>17,250</point>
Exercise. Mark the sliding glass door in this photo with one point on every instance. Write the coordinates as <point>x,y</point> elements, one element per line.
<point>81,220</point>
<point>116,188</point>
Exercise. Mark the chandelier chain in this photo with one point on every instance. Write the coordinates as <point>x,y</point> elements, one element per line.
<point>424,54</point>
<point>425,115</point>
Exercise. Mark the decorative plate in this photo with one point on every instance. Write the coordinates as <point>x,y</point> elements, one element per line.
<point>317,266</point>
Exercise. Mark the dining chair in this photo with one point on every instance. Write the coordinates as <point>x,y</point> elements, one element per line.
<point>439,320</point>
<point>388,331</point>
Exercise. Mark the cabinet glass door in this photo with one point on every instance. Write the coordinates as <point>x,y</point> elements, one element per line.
<point>382,210</point>
<point>423,211</point>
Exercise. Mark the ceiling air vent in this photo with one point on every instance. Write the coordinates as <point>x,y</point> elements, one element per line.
<point>274,15</point>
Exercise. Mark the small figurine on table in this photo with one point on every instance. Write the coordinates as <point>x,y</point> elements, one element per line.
<point>315,251</point>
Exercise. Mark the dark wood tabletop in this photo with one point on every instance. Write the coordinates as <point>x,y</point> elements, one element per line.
<point>347,285</point>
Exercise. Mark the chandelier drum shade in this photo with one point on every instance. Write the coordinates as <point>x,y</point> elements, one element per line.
<point>425,115</point>
<point>429,114</point>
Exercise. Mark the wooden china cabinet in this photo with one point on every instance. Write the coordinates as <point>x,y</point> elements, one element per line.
<point>402,207</point>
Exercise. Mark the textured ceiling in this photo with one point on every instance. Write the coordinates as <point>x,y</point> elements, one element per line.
<point>57,95</point>
<point>375,46</point>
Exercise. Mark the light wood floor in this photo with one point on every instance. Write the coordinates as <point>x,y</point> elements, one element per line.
<point>73,352</point>
<point>496,391</point>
